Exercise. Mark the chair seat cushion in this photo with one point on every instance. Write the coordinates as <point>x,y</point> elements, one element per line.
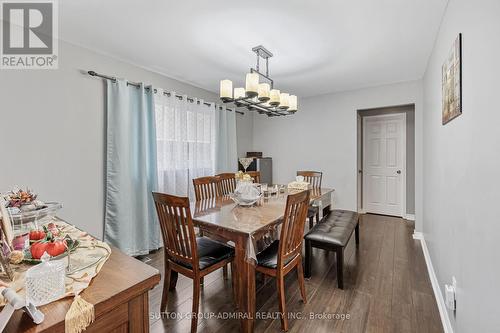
<point>312,211</point>
<point>335,229</point>
<point>269,257</point>
<point>210,252</point>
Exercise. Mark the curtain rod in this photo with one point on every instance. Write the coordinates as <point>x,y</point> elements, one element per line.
<point>136,84</point>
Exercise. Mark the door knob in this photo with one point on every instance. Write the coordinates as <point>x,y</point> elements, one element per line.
<point>398,172</point>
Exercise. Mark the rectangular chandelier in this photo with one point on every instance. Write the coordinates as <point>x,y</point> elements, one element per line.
<point>257,96</point>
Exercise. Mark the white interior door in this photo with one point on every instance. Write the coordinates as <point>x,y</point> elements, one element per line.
<point>384,144</point>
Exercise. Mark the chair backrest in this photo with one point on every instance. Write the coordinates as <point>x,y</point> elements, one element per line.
<point>206,187</point>
<point>227,183</point>
<point>292,229</point>
<point>312,177</point>
<point>179,238</point>
<point>255,175</point>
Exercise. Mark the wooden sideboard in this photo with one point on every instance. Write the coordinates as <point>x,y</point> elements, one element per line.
<point>119,294</point>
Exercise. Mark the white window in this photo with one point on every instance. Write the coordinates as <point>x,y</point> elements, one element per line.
<point>185,133</point>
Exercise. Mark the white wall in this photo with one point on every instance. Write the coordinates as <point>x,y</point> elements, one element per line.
<point>322,136</point>
<point>52,130</point>
<point>461,161</point>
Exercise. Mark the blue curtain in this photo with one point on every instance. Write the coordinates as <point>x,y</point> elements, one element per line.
<point>131,173</point>
<point>226,155</point>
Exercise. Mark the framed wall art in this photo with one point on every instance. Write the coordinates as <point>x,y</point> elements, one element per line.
<point>452,82</point>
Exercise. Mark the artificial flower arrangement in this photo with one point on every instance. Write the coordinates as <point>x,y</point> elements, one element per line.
<point>23,200</point>
<point>241,176</point>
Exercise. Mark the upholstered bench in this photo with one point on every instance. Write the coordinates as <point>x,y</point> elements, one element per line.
<point>332,234</point>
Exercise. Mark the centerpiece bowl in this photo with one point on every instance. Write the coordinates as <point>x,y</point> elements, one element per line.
<point>246,194</point>
<point>244,201</point>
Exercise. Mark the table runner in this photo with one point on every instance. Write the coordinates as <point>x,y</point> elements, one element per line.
<point>87,253</point>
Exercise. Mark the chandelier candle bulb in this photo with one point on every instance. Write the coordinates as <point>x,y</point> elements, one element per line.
<point>239,93</point>
<point>264,89</point>
<point>252,84</point>
<point>284,101</point>
<point>274,97</point>
<point>226,90</point>
<point>292,102</point>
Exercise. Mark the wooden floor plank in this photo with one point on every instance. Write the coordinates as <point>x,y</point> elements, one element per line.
<point>402,301</point>
<point>380,313</point>
<point>387,289</point>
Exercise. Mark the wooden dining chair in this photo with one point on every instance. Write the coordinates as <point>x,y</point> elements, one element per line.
<point>185,253</point>
<point>255,175</point>
<point>227,183</point>
<point>206,187</point>
<point>285,254</point>
<point>314,178</point>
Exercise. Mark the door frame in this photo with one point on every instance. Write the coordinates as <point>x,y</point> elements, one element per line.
<point>401,115</point>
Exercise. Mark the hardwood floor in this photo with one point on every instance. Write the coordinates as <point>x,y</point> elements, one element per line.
<point>387,289</point>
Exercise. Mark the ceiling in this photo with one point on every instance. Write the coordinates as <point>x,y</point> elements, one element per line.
<point>319,46</point>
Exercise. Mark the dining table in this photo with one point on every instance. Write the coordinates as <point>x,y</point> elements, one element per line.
<point>247,228</point>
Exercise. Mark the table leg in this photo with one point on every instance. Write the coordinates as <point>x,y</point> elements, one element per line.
<point>245,285</point>
<point>327,199</point>
<point>326,210</point>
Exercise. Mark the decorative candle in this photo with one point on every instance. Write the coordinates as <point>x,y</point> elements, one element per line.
<point>284,101</point>
<point>252,84</point>
<point>226,89</point>
<point>274,95</point>
<point>264,92</point>
<point>239,93</point>
<point>292,101</point>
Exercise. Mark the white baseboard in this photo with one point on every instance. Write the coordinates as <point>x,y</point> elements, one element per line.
<point>410,217</point>
<point>443,313</point>
<point>418,235</point>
